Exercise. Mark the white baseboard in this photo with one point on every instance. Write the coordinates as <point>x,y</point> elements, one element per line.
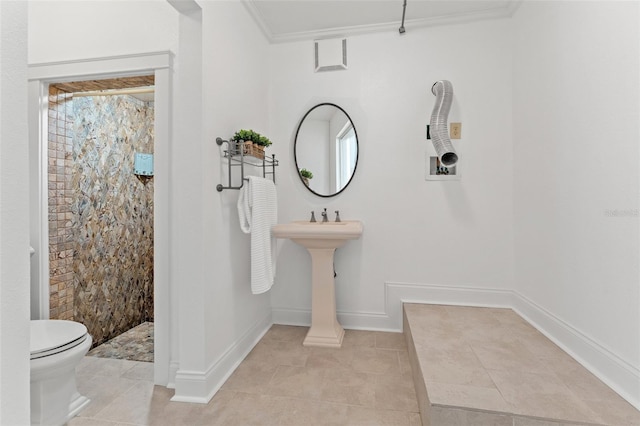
<point>349,320</point>
<point>200,386</point>
<point>398,293</point>
<point>174,366</point>
<point>618,374</point>
<point>395,295</point>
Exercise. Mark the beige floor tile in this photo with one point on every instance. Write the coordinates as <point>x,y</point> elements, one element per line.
<point>164,412</point>
<point>245,409</point>
<point>133,406</point>
<point>470,316</point>
<point>539,345</point>
<point>395,392</point>
<point>346,386</point>
<point>280,352</point>
<point>508,356</point>
<point>376,361</point>
<point>615,412</point>
<point>585,385</point>
<point>252,376</point>
<point>489,335</point>
<point>358,416</point>
<point>94,366</point>
<point>405,364</point>
<point>87,421</point>
<point>140,371</point>
<point>299,382</point>
<point>427,336</point>
<point>437,347</point>
<point>479,398</point>
<point>303,412</point>
<point>209,414</point>
<point>390,341</point>
<point>508,317</point>
<point>359,338</point>
<point>541,395</point>
<point>447,416</point>
<point>458,366</point>
<point>102,391</point>
<point>329,358</point>
<point>427,313</point>
<point>88,366</point>
<point>287,333</point>
<point>527,421</point>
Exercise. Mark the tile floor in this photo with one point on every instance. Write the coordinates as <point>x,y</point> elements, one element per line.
<point>135,345</point>
<point>492,367</point>
<point>368,382</point>
<point>481,367</point>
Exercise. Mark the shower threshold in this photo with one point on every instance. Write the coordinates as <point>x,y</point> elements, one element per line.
<point>135,345</point>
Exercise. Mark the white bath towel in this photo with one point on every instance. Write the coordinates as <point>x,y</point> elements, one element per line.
<point>258,212</point>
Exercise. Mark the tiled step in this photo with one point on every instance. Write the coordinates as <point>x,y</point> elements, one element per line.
<point>488,366</point>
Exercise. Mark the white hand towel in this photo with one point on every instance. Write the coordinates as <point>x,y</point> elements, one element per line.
<point>258,212</point>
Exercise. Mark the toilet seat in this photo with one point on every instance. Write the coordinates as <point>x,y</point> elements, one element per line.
<point>50,337</point>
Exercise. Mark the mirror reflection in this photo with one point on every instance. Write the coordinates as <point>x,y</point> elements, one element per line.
<point>326,150</point>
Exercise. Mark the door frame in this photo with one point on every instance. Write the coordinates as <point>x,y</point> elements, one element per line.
<point>40,76</point>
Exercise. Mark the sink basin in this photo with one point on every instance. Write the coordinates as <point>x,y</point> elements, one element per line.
<point>319,234</point>
<point>321,240</point>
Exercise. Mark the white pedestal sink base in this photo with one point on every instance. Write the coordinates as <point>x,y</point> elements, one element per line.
<point>321,241</point>
<point>325,330</point>
<point>331,339</point>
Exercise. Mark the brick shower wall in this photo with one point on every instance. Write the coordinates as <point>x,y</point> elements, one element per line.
<point>60,197</point>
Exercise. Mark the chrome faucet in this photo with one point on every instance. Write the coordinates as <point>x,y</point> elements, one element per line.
<point>337,215</point>
<point>313,216</point>
<point>324,216</point>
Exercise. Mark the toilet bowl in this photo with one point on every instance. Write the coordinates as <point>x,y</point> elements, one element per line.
<point>57,347</point>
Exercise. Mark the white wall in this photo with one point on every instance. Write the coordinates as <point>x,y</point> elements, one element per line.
<point>235,93</point>
<point>443,233</point>
<point>576,109</point>
<point>14,216</point>
<point>67,30</point>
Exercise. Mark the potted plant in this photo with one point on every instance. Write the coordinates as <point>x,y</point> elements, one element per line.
<point>253,142</point>
<point>306,175</point>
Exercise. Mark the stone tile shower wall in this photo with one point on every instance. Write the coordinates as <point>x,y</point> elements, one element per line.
<point>112,215</point>
<point>60,196</point>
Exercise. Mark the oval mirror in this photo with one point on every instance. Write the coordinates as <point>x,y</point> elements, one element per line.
<point>326,150</point>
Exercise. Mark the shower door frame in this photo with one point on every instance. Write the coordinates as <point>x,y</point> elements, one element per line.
<point>40,77</point>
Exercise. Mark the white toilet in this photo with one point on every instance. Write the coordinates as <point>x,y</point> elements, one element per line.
<point>57,347</point>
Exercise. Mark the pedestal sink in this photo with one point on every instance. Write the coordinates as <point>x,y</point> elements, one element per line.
<point>321,240</point>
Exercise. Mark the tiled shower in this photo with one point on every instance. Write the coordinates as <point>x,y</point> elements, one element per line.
<point>100,212</point>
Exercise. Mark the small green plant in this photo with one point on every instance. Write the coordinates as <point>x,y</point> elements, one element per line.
<point>306,174</point>
<point>254,137</point>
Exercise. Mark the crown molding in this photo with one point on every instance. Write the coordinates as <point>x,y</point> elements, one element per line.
<point>460,18</point>
<point>257,17</point>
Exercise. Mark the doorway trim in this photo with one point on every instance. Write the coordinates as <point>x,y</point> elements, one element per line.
<point>40,76</point>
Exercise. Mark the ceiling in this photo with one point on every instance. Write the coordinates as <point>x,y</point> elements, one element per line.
<point>290,20</point>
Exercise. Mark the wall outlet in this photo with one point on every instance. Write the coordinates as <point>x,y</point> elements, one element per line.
<point>455,130</point>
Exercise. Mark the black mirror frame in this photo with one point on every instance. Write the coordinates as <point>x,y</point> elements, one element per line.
<point>295,143</point>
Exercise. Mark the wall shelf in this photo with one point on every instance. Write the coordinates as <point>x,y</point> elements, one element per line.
<point>236,157</point>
